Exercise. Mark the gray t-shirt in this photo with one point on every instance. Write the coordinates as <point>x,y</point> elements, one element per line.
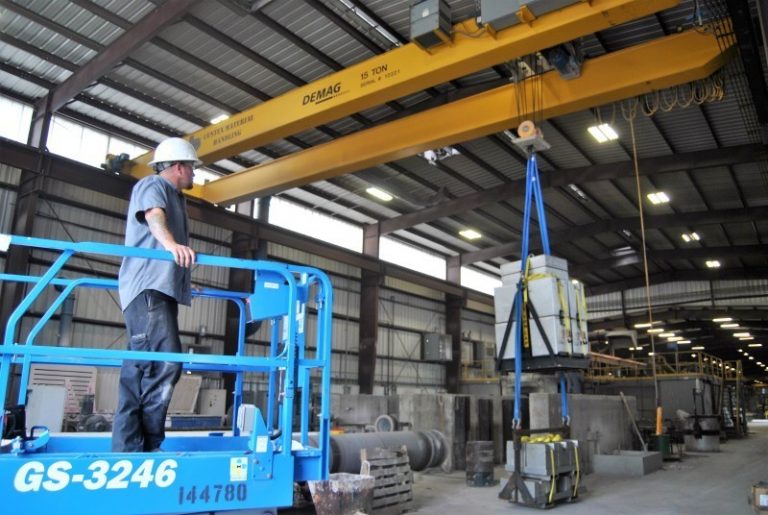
<point>136,274</point>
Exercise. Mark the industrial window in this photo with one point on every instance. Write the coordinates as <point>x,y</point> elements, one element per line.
<point>479,281</point>
<point>315,224</point>
<point>411,257</point>
<point>70,139</point>
<point>16,117</point>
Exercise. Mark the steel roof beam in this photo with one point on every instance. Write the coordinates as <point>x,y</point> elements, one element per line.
<point>566,236</point>
<point>648,166</point>
<point>681,275</point>
<point>683,313</point>
<point>114,53</point>
<point>408,69</point>
<point>582,269</point>
<point>690,55</point>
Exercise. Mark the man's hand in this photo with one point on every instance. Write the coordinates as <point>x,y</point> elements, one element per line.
<point>183,255</point>
<point>158,226</point>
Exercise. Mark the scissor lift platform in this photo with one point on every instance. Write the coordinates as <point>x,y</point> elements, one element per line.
<point>41,472</point>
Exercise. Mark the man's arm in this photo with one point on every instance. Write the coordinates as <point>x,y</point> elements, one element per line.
<point>158,226</point>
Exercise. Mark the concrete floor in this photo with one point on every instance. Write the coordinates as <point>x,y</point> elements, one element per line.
<point>702,483</point>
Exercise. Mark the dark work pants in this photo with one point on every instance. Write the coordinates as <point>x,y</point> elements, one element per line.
<point>146,386</point>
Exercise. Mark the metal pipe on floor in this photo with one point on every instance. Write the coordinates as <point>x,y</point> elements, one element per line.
<point>426,449</point>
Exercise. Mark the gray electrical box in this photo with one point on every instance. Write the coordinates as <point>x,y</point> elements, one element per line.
<point>436,347</point>
<point>499,14</point>
<point>430,23</point>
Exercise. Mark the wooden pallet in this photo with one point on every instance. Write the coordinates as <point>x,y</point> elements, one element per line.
<point>393,490</point>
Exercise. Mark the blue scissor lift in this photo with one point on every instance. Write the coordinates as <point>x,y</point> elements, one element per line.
<point>41,472</point>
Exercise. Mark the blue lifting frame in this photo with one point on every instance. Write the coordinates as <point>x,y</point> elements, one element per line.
<point>533,195</point>
<point>43,472</point>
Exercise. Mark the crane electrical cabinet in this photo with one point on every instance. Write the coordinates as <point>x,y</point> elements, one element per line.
<point>251,468</point>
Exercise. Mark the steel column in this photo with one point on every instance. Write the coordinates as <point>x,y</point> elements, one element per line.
<point>453,305</point>
<point>369,330</point>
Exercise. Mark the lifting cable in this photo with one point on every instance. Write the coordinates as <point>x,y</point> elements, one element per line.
<point>629,112</point>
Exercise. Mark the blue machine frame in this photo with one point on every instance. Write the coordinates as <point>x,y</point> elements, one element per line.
<point>66,472</point>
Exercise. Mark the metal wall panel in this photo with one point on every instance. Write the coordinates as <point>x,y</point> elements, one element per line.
<point>399,284</point>
<point>291,255</point>
<point>399,344</point>
<point>87,196</point>
<point>599,306</point>
<point>9,174</point>
<point>752,292</point>
<point>7,205</point>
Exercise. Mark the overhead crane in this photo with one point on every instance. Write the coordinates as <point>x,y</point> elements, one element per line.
<point>637,70</point>
<point>402,71</point>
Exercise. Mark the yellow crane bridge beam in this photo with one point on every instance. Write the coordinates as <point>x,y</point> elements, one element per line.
<point>402,71</point>
<point>648,67</point>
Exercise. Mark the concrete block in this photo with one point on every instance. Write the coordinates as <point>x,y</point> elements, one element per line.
<point>358,410</point>
<point>627,463</point>
<point>599,422</point>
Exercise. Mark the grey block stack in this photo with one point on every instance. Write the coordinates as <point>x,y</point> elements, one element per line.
<point>559,302</point>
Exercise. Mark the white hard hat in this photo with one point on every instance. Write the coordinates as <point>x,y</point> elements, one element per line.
<point>174,150</point>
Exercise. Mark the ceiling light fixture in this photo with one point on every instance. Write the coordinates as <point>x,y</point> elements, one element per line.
<point>655,330</point>
<point>674,338</point>
<point>683,342</point>
<point>743,338</point>
<point>578,192</point>
<point>698,347</point>
<point>741,335</point>
<point>712,263</point>
<point>219,118</point>
<point>379,194</point>
<point>755,345</point>
<point>730,325</point>
<point>658,197</point>
<point>603,133</point>
<point>645,325</point>
<point>470,234</point>
<point>723,319</point>
<point>689,237</point>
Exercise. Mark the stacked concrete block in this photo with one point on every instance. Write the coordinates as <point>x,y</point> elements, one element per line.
<point>578,309</point>
<point>559,303</point>
<point>551,471</point>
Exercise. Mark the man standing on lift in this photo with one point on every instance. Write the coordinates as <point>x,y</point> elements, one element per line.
<point>150,292</point>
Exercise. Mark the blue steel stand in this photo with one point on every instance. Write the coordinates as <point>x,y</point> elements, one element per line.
<point>42,472</point>
<point>516,489</point>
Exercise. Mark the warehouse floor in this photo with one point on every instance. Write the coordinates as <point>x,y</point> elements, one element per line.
<point>702,483</point>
